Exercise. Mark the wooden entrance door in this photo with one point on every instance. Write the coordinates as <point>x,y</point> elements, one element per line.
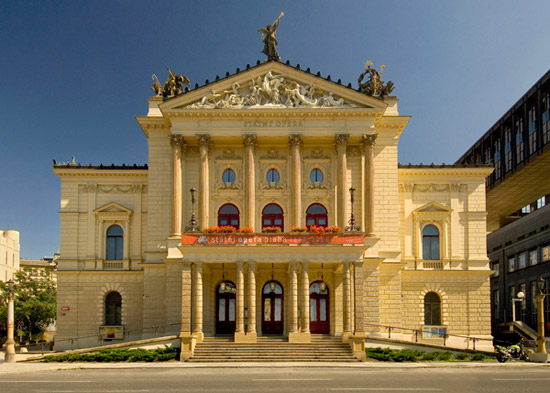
<point>272,308</point>
<point>319,310</point>
<point>225,308</point>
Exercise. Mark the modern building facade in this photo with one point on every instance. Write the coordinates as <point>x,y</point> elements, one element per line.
<point>518,146</point>
<point>9,254</point>
<point>300,221</point>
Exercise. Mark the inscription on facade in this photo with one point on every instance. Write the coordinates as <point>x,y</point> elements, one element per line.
<point>273,123</point>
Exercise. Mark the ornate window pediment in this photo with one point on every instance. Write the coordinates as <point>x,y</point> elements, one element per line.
<point>114,210</point>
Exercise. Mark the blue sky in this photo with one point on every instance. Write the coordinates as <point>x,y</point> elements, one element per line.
<point>74,74</point>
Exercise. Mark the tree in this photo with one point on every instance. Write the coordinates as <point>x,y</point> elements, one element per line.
<point>35,302</point>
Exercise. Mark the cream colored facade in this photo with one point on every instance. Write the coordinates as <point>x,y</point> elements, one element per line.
<point>9,254</point>
<point>272,116</point>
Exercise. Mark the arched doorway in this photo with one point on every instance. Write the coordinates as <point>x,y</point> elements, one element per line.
<point>225,308</point>
<point>272,308</point>
<point>319,308</point>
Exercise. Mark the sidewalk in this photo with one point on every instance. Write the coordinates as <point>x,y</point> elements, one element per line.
<point>11,368</point>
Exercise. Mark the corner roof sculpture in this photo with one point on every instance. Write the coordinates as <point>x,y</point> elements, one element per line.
<point>375,85</point>
<point>270,42</point>
<point>173,85</point>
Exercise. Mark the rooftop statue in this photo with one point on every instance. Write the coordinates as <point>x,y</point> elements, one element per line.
<point>157,87</point>
<point>270,42</point>
<point>173,85</point>
<point>375,85</point>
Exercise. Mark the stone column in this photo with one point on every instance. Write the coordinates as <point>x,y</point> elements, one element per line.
<point>341,146</point>
<point>293,281</point>
<point>240,298</point>
<point>251,326</point>
<point>205,143</point>
<point>250,183</point>
<point>347,302</point>
<point>368,144</point>
<point>177,143</point>
<point>305,333</point>
<point>197,302</point>
<point>295,141</point>
<point>359,306</point>
<point>186,299</point>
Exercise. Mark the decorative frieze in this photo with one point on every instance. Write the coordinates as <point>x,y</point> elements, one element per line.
<point>103,188</point>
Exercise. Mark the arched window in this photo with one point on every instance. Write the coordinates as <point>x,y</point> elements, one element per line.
<point>115,242</point>
<point>432,309</point>
<point>430,242</point>
<point>316,214</point>
<point>272,216</point>
<point>273,176</point>
<point>316,176</point>
<point>228,176</point>
<point>228,215</point>
<point>113,309</point>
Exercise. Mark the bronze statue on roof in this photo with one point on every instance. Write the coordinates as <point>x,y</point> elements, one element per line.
<point>173,85</point>
<point>375,85</point>
<point>270,42</point>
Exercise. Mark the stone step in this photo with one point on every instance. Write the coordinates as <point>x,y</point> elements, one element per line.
<point>322,348</point>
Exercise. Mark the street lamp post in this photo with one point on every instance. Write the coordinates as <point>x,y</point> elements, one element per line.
<point>519,299</point>
<point>10,343</point>
<point>541,340</point>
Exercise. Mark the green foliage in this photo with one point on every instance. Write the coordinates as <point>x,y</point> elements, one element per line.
<point>462,356</point>
<point>444,356</point>
<point>429,356</point>
<point>479,356</point>
<point>35,301</point>
<point>119,355</point>
<point>408,355</point>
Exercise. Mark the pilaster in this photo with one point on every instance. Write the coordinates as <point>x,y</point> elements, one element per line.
<point>178,147</point>
<point>295,142</point>
<point>249,142</point>
<point>341,142</point>
<point>205,142</point>
<point>368,144</point>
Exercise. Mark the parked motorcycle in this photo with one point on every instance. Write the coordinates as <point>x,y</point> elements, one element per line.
<point>516,351</point>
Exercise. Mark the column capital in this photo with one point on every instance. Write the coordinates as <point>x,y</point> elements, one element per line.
<point>204,140</point>
<point>240,265</point>
<point>250,140</point>
<point>251,265</point>
<point>369,140</point>
<point>177,141</point>
<point>341,139</point>
<point>295,140</point>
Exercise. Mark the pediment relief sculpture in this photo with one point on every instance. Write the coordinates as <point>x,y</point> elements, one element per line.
<point>270,91</point>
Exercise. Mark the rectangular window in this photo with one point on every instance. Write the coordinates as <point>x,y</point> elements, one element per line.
<point>522,260</point>
<point>497,161</point>
<point>496,301</point>
<point>519,141</point>
<point>534,297</point>
<point>532,129</point>
<point>545,252</point>
<point>511,264</point>
<point>541,202</point>
<point>508,149</point>
<point>495,266</point>
<point>323,310</point>
<point>533,257</point>
<point>545,116</point>
<point>526,209</point>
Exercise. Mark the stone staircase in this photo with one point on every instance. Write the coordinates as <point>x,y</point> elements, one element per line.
<point>273,349</point>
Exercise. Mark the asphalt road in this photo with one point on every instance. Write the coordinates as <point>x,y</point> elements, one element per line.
<point>315,380</point>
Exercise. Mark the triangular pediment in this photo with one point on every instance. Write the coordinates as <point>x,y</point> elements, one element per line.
<point>113,208</point>
<point>433,207</point>
<point>272,85</point>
